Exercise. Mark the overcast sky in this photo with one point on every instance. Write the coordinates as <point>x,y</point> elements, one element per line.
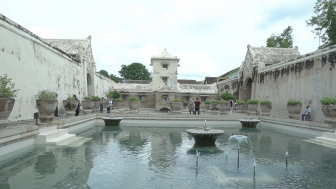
<point>209,36</point>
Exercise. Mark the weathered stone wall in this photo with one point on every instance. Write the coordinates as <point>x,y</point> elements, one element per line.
<point>308,79</point>
<point>35,66</point>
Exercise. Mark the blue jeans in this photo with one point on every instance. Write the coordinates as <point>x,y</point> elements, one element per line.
<point>192,111</point>
<point>306,116</point>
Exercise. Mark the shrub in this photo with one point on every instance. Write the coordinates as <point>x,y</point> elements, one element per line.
<point>265,102</point>
<point>133,98</point>
<point>240,102</point>
<point>222,101</point>
<point>87,98</point>
<point>71,97</point>
<point>118,100</point>
<point>253,101</point>
<point>95,98</point>
<point>112,94</point>
<point>227,96</point>
<point>7,87</point>
<point>177,100</point>
<point>293,102</point>
<point>46,95</point>
<point>207,102</point>
<point>214,101</point>
<point>328,100</point>
<point>143,101</point>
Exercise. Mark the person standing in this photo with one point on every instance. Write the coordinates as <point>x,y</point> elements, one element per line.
<point>234,107</point>
<point>110,105</point>
<point>102,105</point>
<point>197,106</point>
<point>230,107</point>
<point>78,105</point>
<point>56,111</point>
<point>191,106</point>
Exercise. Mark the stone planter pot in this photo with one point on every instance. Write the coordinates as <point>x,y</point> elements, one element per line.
<point>294,111</point>
<point>329,111</point>
<point>207,106</point>
<point>134,106</point>
<point>223,108</point>
<point>46,109</point>
<point>88,104</point>
<point>252,108</point>
<point>176,107</point>
<point>143,104</point>
<point>70,107</point>
<point>214,109</point>
<point>96,105</point>
<point>240,108</point>
<point>266,109</point>
<point>6,107</point>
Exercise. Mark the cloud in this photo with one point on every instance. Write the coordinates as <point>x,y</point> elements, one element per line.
<point>42,32</point>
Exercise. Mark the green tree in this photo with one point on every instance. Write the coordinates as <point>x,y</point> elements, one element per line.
<point>112,94</point>
<point>116,79</point>
<point>283,40</point>
<point>324,22</point>
<point>135,71</point>
<point>104,73</point>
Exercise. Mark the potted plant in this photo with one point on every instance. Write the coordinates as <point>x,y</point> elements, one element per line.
<point>88,105</point>
<point>294,108</point>
<point>70,105</point>
<point>143,103</point>
<point>252,106</point>
<point>176,106</point>
<point>207,104</point>
<point>46,104</point>
<point>7,95</point>
<point>227,96</point>
<point>223,106</point>
<point>134,104</point>
<point>118,103</point>
<point>266,107</point>
<point>96,104</point>
<point>329,109</point>
<point>239,106</point>
<point>214,107</point>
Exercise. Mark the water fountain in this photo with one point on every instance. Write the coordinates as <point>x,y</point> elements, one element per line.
<point>240,140</point>
<point>112,121</point>
<point>249,123</point>
<point>205,137</point>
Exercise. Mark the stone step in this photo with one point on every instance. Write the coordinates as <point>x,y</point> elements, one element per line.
<point>61,139</point>
<point>70,141</point>
<point>327,140</point>
<point>80,142</point>
<point>322,143</point>
<point>46,136</point>
<point>329,135</point>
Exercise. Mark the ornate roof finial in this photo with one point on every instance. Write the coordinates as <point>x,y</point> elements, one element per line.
<point>165,48</point>
<point>89,38</point>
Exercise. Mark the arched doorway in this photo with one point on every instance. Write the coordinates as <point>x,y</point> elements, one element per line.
<point>90,86</point>
<point>246,91</point>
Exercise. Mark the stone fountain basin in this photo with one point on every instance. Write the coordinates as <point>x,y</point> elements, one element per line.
<point>112,121</point>
<point>249,123</point>
<point>205,137</point>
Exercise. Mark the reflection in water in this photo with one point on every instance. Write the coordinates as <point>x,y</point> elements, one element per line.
<point>165,158</point>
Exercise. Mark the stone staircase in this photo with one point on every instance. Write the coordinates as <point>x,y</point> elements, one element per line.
<point>52,136</point>
<point>327,139</point>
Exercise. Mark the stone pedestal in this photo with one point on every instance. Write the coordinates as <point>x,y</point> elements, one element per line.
<point>249,123</point>
<point>86,112</point>
<point>205,137</point>
<point>70,114</point>
<point>214,112</point>
<point>112,121</point>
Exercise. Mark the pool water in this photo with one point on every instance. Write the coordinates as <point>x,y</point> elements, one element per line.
<point>150,157</point>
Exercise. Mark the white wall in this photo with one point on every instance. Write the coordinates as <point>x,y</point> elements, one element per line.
<point>159,72</point>
<point>35,66</point>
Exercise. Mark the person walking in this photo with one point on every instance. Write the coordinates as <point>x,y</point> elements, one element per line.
<point>78,105</point>
<point>197,106</point>
<point>56,111</point>
<point>191,106</point>
<point>102,105</point>
<point>230,107</point>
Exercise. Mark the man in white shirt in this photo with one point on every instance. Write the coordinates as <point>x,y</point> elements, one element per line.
<point>307,113</point>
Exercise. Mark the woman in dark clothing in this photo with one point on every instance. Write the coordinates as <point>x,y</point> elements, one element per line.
<point>78,106</point>
<point>102,105</point>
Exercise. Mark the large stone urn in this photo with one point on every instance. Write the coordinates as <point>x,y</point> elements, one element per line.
<point>207,106</point>
<point>70,107</point>
<point>329,111</point>
<point>6,107</point>
<point>143,104</point>
<point>134,106</point>
<point>214,109</point>
<point>223,108</point>
<point>266,109</point>
<point>239,108</point>
<point>252,109</point>
<point>176,107</point>
<point>294,111</point>
<point>87,105</point>
<point>46,109</point>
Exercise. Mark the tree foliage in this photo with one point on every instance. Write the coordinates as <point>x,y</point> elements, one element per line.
<point>104,73</point>
<point>116,79</point>
<point>113,94</point>
<point>135,71</point>
<point>227,96</point>
<point>283,40</point>
<point>324,22</point>
<point>7,87</point>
